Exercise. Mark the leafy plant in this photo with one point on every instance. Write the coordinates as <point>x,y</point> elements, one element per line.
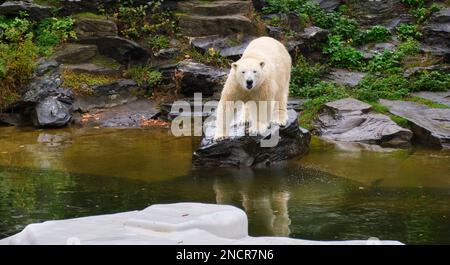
<point>431,81</point>
<point>342,54</point>
<point>303,75</point>
<point>52,31</point>
<point>158,42</point>
<point>406,31</point>
<point>144,75</point>
<point>372,88</point>
<point>376,34</point>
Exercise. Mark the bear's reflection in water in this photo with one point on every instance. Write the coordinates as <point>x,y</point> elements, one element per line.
<point>264,198</point>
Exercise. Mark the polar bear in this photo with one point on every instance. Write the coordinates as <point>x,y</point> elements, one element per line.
<point>261,75</point>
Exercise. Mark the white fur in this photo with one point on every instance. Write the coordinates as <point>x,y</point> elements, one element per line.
<point>267,64</point>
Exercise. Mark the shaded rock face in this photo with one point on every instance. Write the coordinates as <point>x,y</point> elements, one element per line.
<point>246,151</point>
<point>90,27</point>
<point>370,50</point>
<point>120,49</point>
<point>350,120</point>
<point>430,126</point>
<point>14,8</point>
<point>437,34</point>
<point>228,46</point>
<point>197,77</point>
<point>52,112</point>
<point>214,8</point>
<point>345,77</point>
<point>106,96</point>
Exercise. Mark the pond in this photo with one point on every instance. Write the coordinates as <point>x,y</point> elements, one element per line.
<point>336,192</point>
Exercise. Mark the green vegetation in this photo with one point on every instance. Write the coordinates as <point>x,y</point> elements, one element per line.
<point>21,43</point>
<point>82,83</point>
<point>139,22</point>
<point>385,71</point>
<point>144,76</point>
<point>156,43</point>
<point>211,57</point>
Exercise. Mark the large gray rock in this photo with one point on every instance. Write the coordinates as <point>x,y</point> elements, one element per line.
<point>14,8</point>
<point>214,8</point>
<point>328,5</point>
<point>437,34</point>
<point>75,53</point>
<point>130,115</point>
<point>438,97</point>
<point>87,27</point>
<point>196,26</point>
<point>307,41</point>
<point>345,77</point>
<point>430,126</point>
<point>52,112</point>
<point>120,49</point>
<point>197,77</point>
<point>350,120</point>
<point>247,151</point>
<point>230,46</point>
<point>106,96</point>
<point>376,12</point>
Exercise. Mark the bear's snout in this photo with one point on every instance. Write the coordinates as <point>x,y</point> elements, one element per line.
<point>249,84</point>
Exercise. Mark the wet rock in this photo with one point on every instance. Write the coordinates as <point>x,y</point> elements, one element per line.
<point>45,66</point>
<point>328,5</point>
<point>438,97</point>
<point>430,126</point>
<point>120,49</point>
<point>14,8</point>
<point>75,53</point>
<point>345,77</point>
<point>230,46</point>
<point>287,21</point>
<point>87,27</point>
<point>125,116</point>
<point>197,26</point>
<point>247,151</point>
<point>52,112</point>
<point>106,96</point>
<point>197,77</point>
<point>437,34</point>
<point>216,8</point>
<point>350,120</point>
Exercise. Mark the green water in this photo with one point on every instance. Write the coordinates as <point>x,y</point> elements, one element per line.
<point>334,193</point>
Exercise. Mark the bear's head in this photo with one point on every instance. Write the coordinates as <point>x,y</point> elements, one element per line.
<point>249,73</point>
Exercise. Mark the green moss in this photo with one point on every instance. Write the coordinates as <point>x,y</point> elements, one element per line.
<point>427,102</point>
<point>105,62</point>
<point>82,83</point>
<point>90,15</point>
<point>144,76</point>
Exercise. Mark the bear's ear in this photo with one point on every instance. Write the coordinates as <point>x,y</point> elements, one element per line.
<point>262,63</point>
<point>234,65</point>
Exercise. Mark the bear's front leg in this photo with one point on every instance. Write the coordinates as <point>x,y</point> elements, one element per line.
<point>280,111</point>
<point>223,120</point>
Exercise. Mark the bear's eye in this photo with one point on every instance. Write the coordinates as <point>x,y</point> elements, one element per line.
<point>254,72</point>
<point>243,72</point>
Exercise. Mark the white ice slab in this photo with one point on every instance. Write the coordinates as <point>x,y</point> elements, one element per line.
<point>163,224</point>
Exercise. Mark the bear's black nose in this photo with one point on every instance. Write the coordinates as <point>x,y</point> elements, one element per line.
<point>249,84</point>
